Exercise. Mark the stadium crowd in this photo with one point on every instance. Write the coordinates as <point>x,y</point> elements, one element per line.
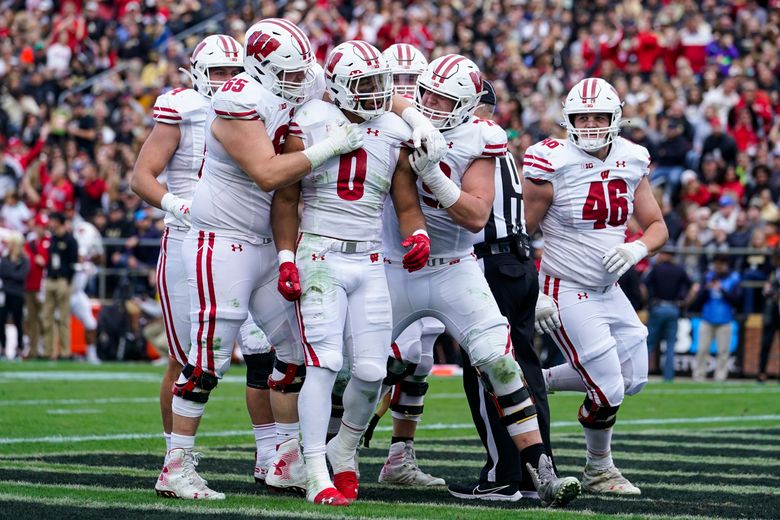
<point>699,81</point>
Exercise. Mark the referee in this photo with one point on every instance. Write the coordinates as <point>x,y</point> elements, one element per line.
<point>512,276</point>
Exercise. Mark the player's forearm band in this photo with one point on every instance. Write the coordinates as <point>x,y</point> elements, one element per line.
<point>285,255</point>
<point>319,153</point>
<point>414,118</point>
<point>445,190</point>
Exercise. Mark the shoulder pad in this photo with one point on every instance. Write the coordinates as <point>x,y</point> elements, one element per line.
<point>240,101</point>
<point>542,160</point>
<point>178,105</point>
<point>312,113</point>
<point>492,138</point>
<point>395,127</point>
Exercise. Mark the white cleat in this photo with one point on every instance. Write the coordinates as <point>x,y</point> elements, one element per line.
<point>179,479</point>
<point>401,468</point>
<point>553,491</point>
<point>260,474</point>
<point>287,472</point>
<point>607,481</point>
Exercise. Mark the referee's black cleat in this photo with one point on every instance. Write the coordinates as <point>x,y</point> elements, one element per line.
<point>484,490</point>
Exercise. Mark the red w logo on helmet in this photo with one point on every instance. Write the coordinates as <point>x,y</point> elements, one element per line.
<point>260,45</point>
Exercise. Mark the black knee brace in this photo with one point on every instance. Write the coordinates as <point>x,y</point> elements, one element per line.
<point>196,378</point>
<point>597,417</point>
<point>258,369</point>
<point>397,370</point>
<point>504,402</point>
<point>412,389</point>
<point>291,380</point>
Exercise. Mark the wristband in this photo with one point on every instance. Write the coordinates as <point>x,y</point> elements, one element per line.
<point>285,255</point>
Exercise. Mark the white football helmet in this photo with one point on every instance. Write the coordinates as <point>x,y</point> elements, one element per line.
<point>454,77</point>
<point>217,50</point>
<point>592,96</point>
<point>278,55</point>
<point>359,80</point>
<point>407,63</point>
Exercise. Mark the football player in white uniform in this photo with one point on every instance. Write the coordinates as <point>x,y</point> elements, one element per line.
<point>457,197</point>
<point>90,250</point>
<point>166,171</point>
<point>343,291</point>
<point>228,256</point>
<point>416,342</point>
<point>582,191</point>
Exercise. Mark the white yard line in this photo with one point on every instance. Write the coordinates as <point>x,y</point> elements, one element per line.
<point>434,427</point>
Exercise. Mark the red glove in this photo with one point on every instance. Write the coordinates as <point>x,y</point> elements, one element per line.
<point>417,256</point>
<point>289,283</point>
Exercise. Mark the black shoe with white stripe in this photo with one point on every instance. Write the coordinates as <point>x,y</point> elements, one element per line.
<point>483,490</point>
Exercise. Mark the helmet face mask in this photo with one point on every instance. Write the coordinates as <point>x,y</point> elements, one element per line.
<point>359,80</point>
<point>405,83</point>
<point>592,96</point>
<point>214,51</point>
<point>455,78</point>
<point>407,63</point>
<point>277,54</point>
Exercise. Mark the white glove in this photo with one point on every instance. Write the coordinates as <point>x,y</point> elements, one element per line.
<point>178,207</point>
<point>424,131</point>
<point>342,138</point>
<point>422,164</point>
<point>443,188</point>
<point>546,319</point>
<point>621,258</point>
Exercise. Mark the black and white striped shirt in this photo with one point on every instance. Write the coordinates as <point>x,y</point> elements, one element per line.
<point>507,216</point>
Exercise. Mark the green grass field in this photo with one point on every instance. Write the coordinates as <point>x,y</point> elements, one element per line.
<point>84,442</point>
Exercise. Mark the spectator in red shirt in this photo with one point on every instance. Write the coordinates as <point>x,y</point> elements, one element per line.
<point>731,185</point>
<point>744,132</point>
<point>57,194</point>
<point>694,38</point>
<point>37,250</point>
<point>693,190</point>
<point>72,22</point>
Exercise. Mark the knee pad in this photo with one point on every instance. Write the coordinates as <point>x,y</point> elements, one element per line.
<point>196,385</point>
<point>397,371</point>
<point>286,377</point>
<point>259,368</point>
<point>369,369</point>
<point>597,417</point>
<point>408,398</point>
<point>502,379</point>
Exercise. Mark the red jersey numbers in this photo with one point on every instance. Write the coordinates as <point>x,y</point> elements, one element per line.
<point>234,85</point>
<point>352,174</point>
<point>431,201</point>
<point>550,143</point>
<point>606,206</point>
<point>279,138</point>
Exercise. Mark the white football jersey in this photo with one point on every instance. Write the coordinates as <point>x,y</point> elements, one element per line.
<point>344,197</point>
<point>593,200</point>
<point>227,201</point>
<point>88,239</point>
<point>474,139</point>
<point>187,109</point>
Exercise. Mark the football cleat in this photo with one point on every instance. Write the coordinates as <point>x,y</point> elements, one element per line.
<point>553,491</point>
<point>607,481</point>
<point>287,472</point>
<point>344,464</point>
<point>401,468</point>
<point>179,479</point>
<point>347,484</point>
<point>482,490</point>
<point>329,497</point>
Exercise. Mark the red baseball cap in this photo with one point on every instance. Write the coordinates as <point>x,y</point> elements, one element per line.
<point>41,220</point>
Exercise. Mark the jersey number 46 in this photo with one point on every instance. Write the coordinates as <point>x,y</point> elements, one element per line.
<point>607,203</point>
